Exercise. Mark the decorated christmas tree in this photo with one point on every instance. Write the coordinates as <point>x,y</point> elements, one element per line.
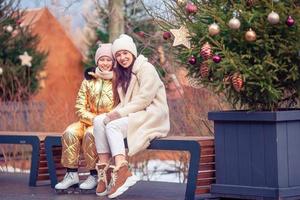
<point>20,61</point>
<point>247,50</point>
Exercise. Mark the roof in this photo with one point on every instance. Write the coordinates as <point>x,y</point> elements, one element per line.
<point>63,71</point>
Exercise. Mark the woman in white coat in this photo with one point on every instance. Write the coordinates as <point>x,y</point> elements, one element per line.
<point>141,116</point>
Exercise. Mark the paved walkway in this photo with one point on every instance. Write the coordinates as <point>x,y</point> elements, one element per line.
<point>15,186</point>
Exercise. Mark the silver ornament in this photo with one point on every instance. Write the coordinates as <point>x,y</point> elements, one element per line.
<point>235,13</point>
<point>234,23</point>
<point>273,18</point>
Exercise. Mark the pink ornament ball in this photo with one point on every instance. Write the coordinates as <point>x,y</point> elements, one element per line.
<point>290,21</point>
<point>192,60</point>
<point>191,8</point>
<point>217,58</point>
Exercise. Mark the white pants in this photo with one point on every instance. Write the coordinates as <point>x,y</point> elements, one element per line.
<point>110,138</point>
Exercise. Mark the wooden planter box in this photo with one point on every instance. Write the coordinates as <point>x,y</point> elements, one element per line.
<point>257,154</point>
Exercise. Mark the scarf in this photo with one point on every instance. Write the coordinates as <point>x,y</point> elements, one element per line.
<point>107,75</point>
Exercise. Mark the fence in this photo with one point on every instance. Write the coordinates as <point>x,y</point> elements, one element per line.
<point>21,116</point>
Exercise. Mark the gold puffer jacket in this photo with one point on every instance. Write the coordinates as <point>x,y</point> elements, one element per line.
<point>89,103</point>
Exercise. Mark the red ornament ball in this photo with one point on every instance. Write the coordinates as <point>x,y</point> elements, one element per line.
<point>19,21</point>
<point>141,34</point>
<point>290,21</point>
<point>192,60</point>
<point>166,35</point>
<point>217,58</point>
<point>191,8</point>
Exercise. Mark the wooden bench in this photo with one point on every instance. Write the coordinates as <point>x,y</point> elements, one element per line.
<point>50,149</point>
<point>29,138</point>
<point>207,172</point>
<point>38,165</point>
<point>198,184</point>
<point>45,162</point>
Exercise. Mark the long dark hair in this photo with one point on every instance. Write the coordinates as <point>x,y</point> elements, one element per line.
<point>122,79</point>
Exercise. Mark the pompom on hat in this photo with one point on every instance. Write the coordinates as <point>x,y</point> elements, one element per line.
<point>124,42</point>
<point>103,50</point>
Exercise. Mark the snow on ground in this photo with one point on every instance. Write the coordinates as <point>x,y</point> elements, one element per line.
<point>154,170</point>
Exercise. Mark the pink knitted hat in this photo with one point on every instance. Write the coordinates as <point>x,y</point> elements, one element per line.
<point>103,50</point>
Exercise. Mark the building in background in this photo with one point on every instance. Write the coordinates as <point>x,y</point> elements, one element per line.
<point>63,71</point>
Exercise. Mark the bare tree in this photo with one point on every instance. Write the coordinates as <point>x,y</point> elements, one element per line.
<point>116,19</point>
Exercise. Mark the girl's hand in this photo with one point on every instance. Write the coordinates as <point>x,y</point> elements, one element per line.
<point>94,74</point>
<point>111,117</point>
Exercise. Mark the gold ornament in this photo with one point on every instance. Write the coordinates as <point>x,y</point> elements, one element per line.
<point>25,59</point>
<point>181,37</point>
<point>42,76</point>
<point>273,18</point>
<point>234,23</point>
<point>213,29</point>
<point>250,35</point>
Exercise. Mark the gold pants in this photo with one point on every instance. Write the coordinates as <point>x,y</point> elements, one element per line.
<point>78,135</point>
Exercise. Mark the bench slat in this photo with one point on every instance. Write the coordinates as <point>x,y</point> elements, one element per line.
<point>207,159</point>
<point>205,182</point>
<point>206,174</point>
<point>202,190</point>
<point>206,166</point>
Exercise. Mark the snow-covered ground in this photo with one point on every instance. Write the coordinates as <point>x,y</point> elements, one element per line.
<point>158,170</point>
<point>154,170</point>
<point>13,170</point>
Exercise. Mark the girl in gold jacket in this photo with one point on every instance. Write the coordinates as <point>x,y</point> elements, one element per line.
<point>95,96</point>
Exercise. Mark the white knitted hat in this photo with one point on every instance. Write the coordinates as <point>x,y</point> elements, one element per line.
<point>103,50</point>
<point>124,42</point>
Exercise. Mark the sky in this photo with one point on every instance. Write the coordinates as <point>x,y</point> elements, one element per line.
<point>70,13</point>
<point>75,9</point>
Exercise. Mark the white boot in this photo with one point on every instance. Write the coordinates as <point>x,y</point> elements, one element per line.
<point>89,183</point>
<point>70,179</point>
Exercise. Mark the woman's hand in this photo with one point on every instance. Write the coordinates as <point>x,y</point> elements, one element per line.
<point>111,116</point>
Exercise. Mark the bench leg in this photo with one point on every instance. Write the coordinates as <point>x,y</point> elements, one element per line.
<point>50,142</point>
<point>193,147</point>
<point>193,171</point>
<point>34,141</point>
<point>35,158</point>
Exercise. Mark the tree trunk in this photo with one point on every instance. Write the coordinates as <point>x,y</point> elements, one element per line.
<point>116,19</point>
